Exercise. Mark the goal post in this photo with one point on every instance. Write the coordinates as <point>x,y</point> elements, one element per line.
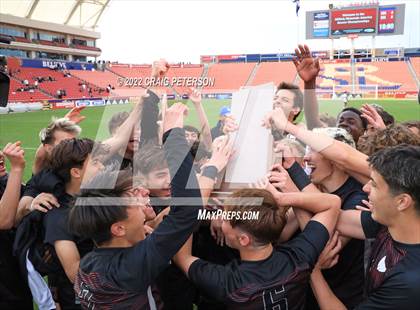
<point>351,91</point>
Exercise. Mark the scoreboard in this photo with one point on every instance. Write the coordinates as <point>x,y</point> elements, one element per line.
<point>354,21</point>
<point>386,20</point>
<point>366,20</point>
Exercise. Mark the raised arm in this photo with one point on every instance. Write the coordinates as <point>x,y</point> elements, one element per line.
<point>326,207</point>
<point>69,257</point>
<point>175,229</point>
<point>10,199</point>
<point>202,117</point>
<point>184,258</point>
<point>222,151</point>
<point>120,139</point>
<point>337,151</point>
<point>308,68</point>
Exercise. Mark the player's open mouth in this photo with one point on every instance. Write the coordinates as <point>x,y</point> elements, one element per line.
<point>348,129</point>
<point>311,167</point>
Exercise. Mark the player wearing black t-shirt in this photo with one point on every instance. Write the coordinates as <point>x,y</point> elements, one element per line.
<point>265,277</point>
<point>120,273</point>
<point>393,277</point>
<point>71,163</point>
<point>14,292</point>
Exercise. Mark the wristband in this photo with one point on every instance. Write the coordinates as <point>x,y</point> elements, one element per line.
<point>210,172</point>
<point>298,176</point>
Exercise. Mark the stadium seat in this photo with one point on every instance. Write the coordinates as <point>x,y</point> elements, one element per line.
<point>415,61</point>
<point>229,77</point>
<point>70,84</point>
<point>393,75</point>
<point>274,72</point>
<point>98,78</point>
<point>25,96</point>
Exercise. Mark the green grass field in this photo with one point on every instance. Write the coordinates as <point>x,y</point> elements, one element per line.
<point>26,126</point>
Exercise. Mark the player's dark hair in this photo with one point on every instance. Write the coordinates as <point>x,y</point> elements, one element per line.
<point>150,158</point>
<point>354,110</point>
<point>117,120</point>
<point>69,153</point>
<point>399,166</point>
<point>298,100</point>
<point>192,129</point>
<point>98,206</point>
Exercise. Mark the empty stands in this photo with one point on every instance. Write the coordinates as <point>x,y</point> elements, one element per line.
<point>274,72</point>
<point>229,77</point>
<point>98,78</point>
<point>415,61</point>
<point>393,75</point>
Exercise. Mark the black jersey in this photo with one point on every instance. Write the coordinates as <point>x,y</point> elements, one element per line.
<point>393,278</point>
<point>122,278</point>
<point>278,282</point>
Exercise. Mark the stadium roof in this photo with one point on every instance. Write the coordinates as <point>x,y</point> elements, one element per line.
<point>77,13</point>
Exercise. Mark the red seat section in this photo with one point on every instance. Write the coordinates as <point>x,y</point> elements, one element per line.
<point>392,76</point>
<point>182,77</point>
<point>274,72</point>
<point>229,77</point>
<point>70,84</point>
<point>25,96</point>
<point>98,78</point>
<point>415,61</point>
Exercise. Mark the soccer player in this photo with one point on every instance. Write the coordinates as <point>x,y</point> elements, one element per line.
<point>265,277</point>
<point>120,273</point>
<point>308,68</point>
<point>14,293</point>
<point>393,278</point>
<point>346,277</point>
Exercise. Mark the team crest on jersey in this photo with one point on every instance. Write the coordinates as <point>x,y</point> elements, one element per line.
<point>382,265</point>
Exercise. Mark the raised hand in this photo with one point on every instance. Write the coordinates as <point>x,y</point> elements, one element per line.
<point>174,116</point>
<point>159,68</point>
<point>195,96</point>
<point>264,183</point>
<point>281,180</point>
<point>286,154</point>
<point>44,202</point>
<point>15,154</point>
<point>372,116</point>
<point>230,125</point>
<point>222,152</point>
<point>216,231</point>
<point>276,119</point>
<point>74,115</point>
<point>329,256</point>
<point>306,66</point>
<point>368,206</point>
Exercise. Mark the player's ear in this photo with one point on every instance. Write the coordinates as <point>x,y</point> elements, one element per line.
<point>76,173</point>
<point>118,229</point>
<point>403,202</point>
<point>296,111</point>
<point>244,239</point>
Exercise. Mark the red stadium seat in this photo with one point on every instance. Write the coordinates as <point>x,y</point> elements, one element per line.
<point>274,72</point>
<point>229,77</point>
<point>393,75</point>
